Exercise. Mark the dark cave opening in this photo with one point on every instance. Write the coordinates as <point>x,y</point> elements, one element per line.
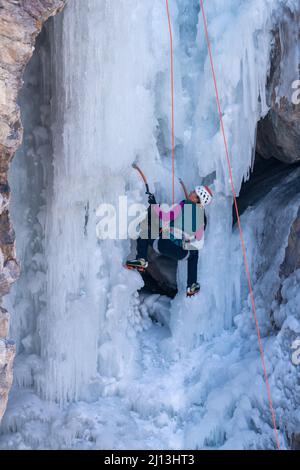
<point>266,174</point>
<point>160,276</point>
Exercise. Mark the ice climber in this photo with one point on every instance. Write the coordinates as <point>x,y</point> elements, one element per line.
<point>177,234</point>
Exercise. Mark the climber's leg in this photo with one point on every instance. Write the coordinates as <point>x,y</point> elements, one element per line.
<point>142,248</point>
<point>192,267</point>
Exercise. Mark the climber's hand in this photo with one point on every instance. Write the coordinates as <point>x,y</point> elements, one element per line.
<point>151,198</point>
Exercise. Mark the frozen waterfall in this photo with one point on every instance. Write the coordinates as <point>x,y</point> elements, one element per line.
<point>96,98</point>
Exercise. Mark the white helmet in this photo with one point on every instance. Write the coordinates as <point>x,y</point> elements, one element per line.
<point>205,194</point>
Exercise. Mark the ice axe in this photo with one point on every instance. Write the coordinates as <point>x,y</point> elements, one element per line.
<point>137,168</point>
<point>184,188</point>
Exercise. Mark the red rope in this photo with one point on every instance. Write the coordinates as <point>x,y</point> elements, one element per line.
<point>240,227</point>
<point>172,102</point>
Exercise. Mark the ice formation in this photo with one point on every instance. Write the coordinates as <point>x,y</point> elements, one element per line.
<point>85,339</point>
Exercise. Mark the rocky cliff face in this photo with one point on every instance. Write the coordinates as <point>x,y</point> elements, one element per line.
<point>278,133</point>
<point>7,353</point>
<point>292,253</point>
<point>20,23</point>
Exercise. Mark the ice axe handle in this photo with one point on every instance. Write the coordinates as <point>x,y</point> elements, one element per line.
<point>137,168</point>
<point>184,188</point>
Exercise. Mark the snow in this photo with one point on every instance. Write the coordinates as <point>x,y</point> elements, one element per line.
<point>93,370</point>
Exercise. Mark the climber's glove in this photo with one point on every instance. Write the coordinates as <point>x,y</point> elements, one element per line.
<point>151,198</point>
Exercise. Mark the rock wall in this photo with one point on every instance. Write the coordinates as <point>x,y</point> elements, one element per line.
<point>292,253</point>
<point>278,134</point>
<point>7,354</point>
<point>20,23</point>
<point>291,260</point>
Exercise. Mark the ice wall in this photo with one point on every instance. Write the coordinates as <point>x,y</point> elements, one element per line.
<point>110,104</point>
<point>103,115</point>
<point>241,40</point>
<point>30,177</point>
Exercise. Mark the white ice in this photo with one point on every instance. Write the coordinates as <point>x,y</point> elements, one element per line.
<point>93,371</point>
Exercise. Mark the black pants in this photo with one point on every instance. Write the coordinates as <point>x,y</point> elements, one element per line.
<point>171,250</point>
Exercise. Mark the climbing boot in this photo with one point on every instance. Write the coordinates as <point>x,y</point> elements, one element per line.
<point>192,290</point>
<point>138,264</point>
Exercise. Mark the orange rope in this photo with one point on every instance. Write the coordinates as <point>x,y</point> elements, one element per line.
<point>247,269</point>
<point>172,102</point>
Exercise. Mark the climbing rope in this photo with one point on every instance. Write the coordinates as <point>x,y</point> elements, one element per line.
<point>172,101</point>
<point>246,263</point>
<point>247,269</point>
